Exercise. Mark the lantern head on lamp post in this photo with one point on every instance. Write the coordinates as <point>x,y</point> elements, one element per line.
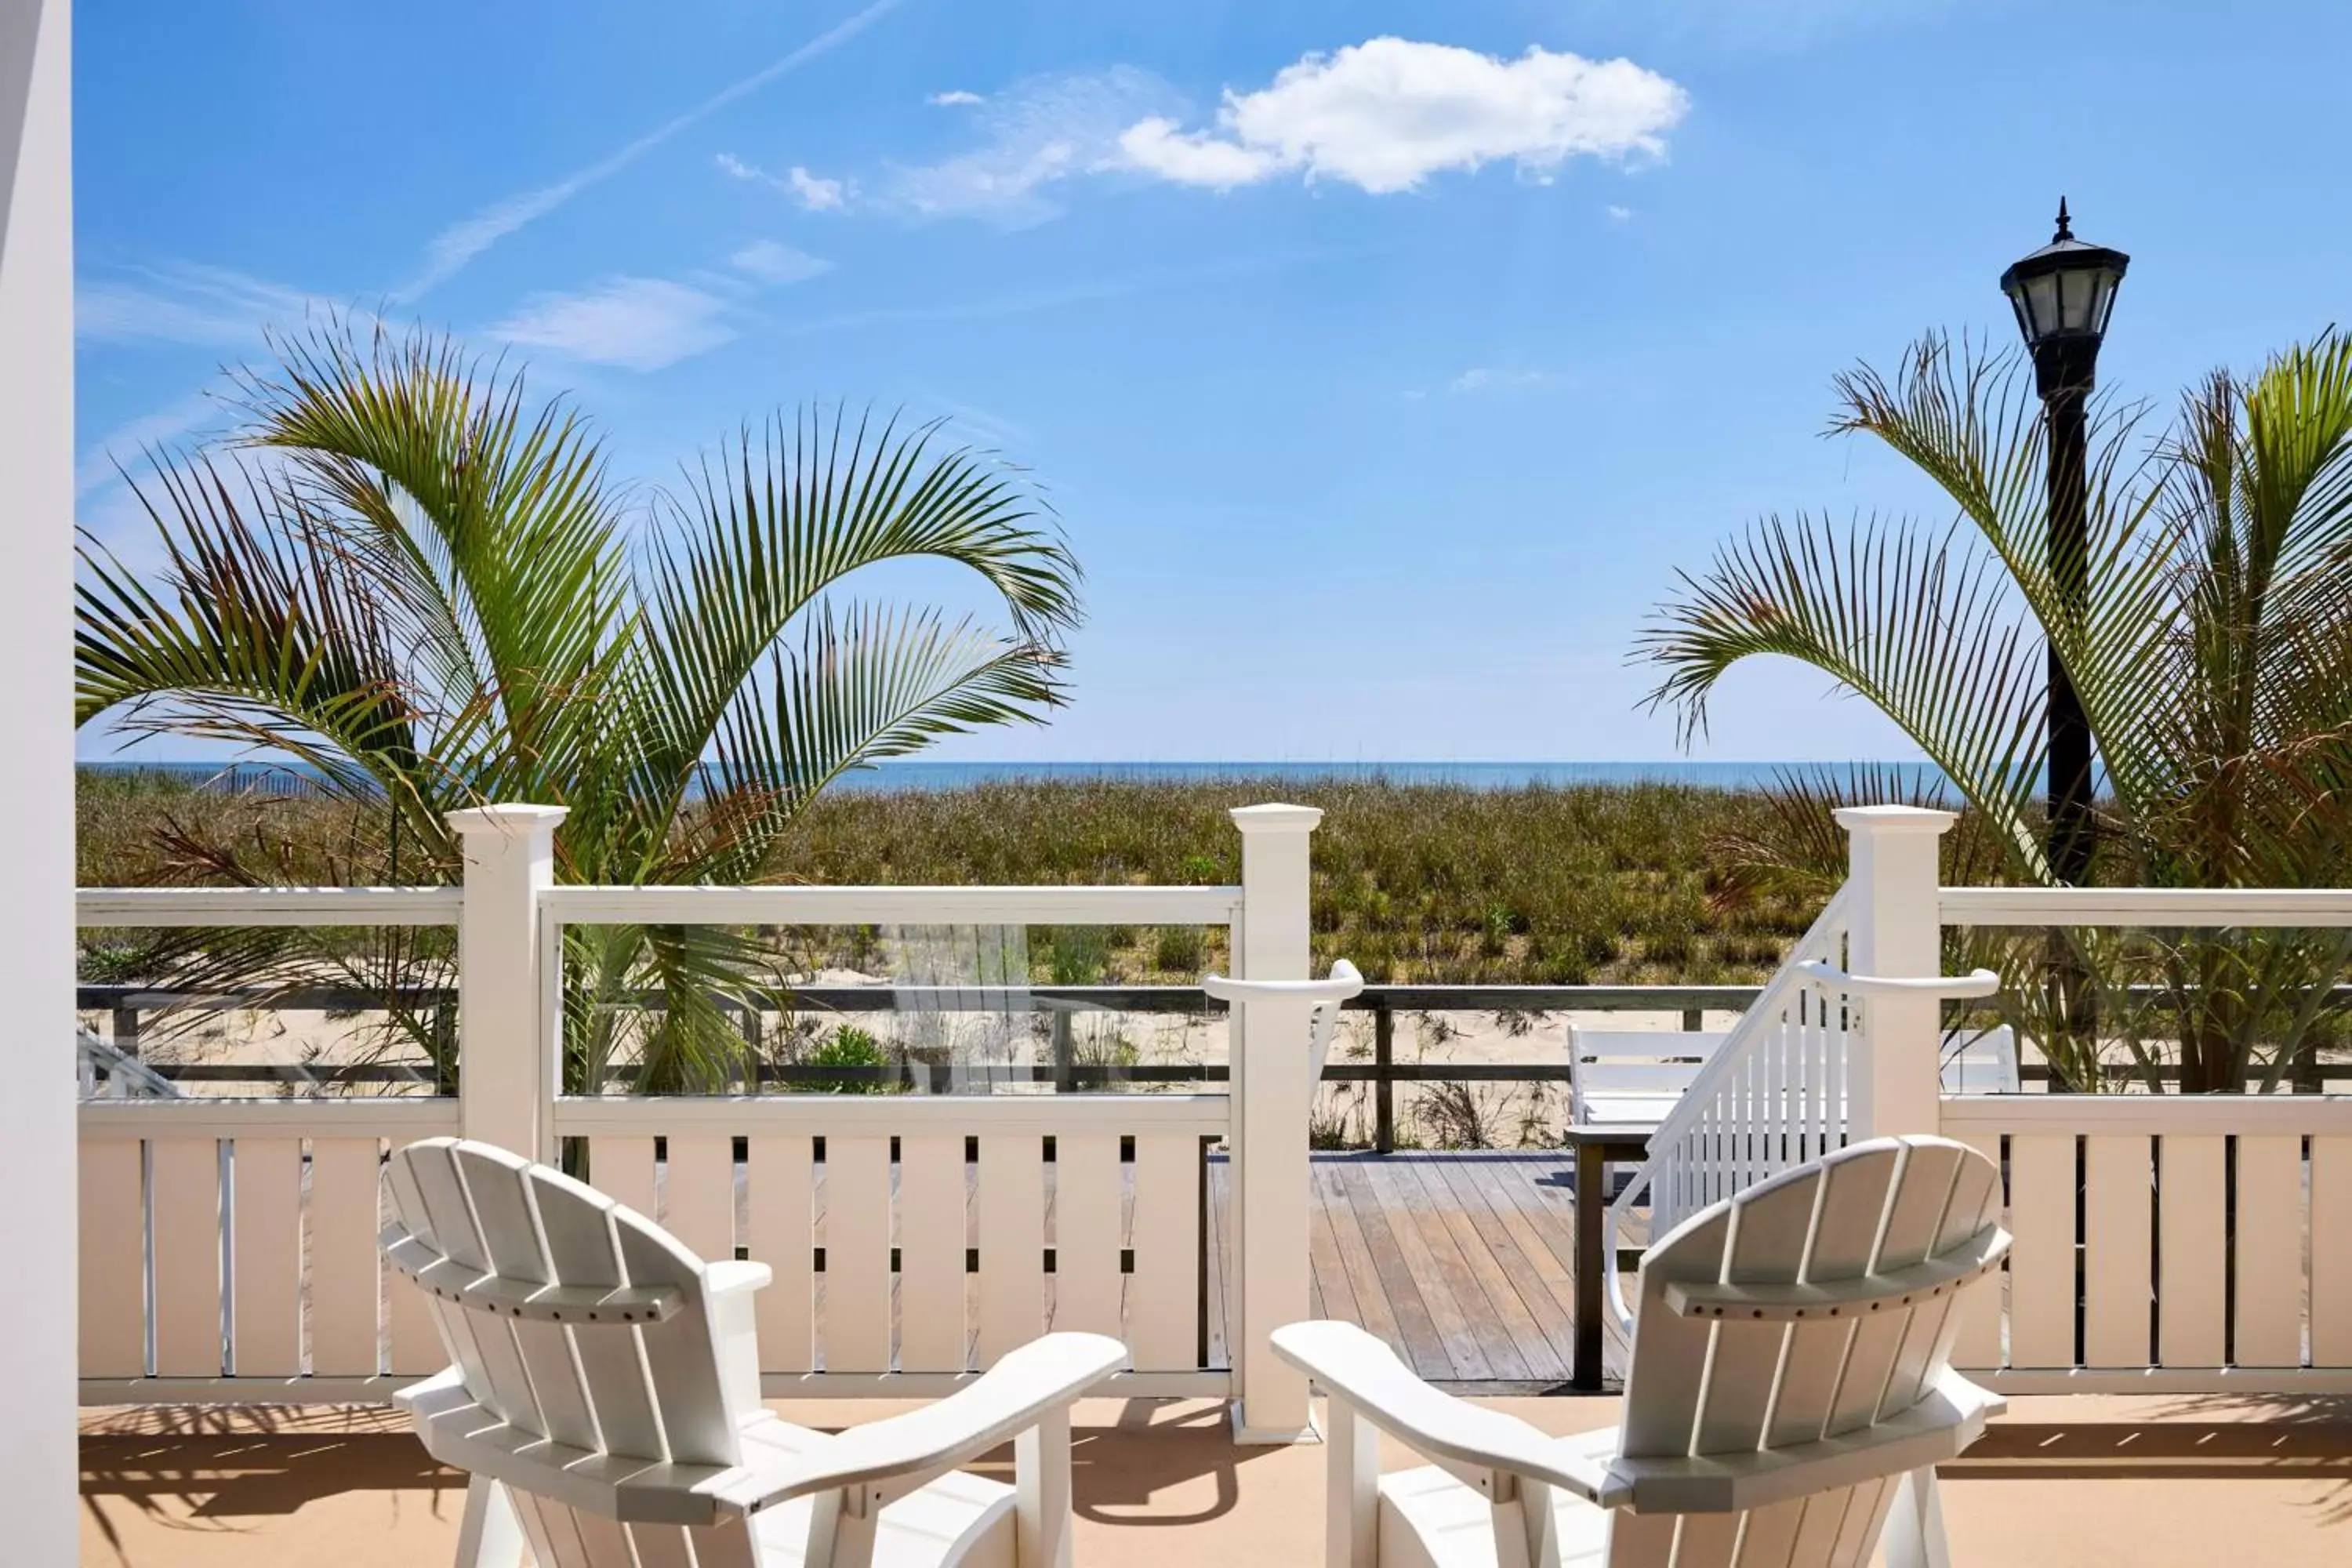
<point>2063,295</point>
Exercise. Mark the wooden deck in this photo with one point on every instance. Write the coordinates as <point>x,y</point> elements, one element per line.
<point>1464,1262</point>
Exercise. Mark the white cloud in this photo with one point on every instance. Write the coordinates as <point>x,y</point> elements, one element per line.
<point>637,324</point>
<point>1386,114</point>
<point>454,247</point>
<point>771,261</point>
<point>1034,134</point>
<point>1193,158</point>
<point>816,194</point>
<point>126,441</point>
<point>182,302</point>
<point>1618,214</point>
<point>813,191</point>
<point>955,99</point>
<point>1482,378</point>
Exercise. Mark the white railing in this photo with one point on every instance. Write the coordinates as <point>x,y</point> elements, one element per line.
<point>2165,1243</point>
<point>950,1228</point>
<point>229,1250</point>
<point>1772,1096</point>
<point>229,1244</point>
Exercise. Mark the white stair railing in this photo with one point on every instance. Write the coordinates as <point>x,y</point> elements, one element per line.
<point>1773,1096</point>
<point>1806,1067</point>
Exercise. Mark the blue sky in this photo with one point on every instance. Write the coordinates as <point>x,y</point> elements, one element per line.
<point>1384,359</point>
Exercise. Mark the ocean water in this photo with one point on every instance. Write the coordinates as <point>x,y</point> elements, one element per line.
<point>931,775</point>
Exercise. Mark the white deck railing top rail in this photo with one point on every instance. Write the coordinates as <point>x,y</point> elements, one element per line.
<point>2158,907</point>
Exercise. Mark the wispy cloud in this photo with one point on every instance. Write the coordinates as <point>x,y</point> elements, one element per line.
<point>636,323</point>
<point>183,302</point>
<point>1032,135</point>
<point>125,441</point>
<point>1480,378</point>
<point>1117,287</point>
<point>1619,214</point>
<point>648,323</point>
<point>1484,378</point>
<point>454,248</point>
<point>1386,114</point>
<point>771,261</point>
<point>955,98</point>
<point>812,191</point>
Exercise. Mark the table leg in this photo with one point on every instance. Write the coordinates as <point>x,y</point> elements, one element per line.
<point>1591,1180</point>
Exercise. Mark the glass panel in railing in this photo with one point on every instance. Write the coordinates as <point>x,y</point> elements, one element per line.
<point>279,1012</point>
<point>929,1008</point>
<point>2256,1009</point>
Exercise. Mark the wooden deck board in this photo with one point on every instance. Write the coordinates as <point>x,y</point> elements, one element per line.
<point>1538,1325</point>
<point>1425,1348</point>
<point>1514,1346</point>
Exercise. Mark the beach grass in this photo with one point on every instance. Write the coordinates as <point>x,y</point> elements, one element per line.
<point>1415,883</point>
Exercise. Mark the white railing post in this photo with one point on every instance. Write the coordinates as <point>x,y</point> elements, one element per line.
<point>1271,1036</point>
<point>1896,933</point>
<point>507,1078</point>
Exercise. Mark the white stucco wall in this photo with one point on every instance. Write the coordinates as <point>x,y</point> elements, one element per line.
<point>36,1111</point>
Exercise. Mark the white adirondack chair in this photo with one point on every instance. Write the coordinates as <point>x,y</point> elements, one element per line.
<point>1791,1391</point>
<point>1632,1077</point>
<point>605,1398</point>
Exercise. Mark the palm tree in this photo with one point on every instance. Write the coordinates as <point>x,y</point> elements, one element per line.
<point>408,575</point>
<point>2213,655</point>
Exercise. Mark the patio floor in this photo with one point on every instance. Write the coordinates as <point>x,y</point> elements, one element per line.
<point>2057,1481</point>
<point>1464,1262</point>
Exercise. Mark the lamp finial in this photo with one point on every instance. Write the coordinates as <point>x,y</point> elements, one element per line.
<point>2065,223</point>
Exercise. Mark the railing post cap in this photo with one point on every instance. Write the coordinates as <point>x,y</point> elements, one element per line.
<point>1275,817</point>
<point>508,817</point>
<point>1860,819</point>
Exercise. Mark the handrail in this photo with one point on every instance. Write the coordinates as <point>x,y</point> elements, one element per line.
<point>268,906</point>
<point>2144,905</point>
<point>789,904</point>
<point>1343,983</point>
<point>1946,987</point>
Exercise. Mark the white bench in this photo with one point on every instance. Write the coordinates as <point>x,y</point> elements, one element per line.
<point>1632,1078</point>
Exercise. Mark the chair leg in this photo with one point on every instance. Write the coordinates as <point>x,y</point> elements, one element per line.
<point>1352,1516</point>
<point>489,1535</point>
<point>1914,1525</point>
<point>1041,1475</point>
<point>841,1526</point>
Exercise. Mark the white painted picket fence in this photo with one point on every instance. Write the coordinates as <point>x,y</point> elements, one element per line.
<point>2165,1244</point>
<point>229,1247</point>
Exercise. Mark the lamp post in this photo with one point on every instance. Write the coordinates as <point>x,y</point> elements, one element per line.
<point>2063,294</point>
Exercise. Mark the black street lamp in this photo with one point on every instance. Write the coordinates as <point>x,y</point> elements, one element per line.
<point>2063,294</point>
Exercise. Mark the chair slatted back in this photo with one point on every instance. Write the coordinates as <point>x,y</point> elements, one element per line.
<point>1722,1387</point>
<point>634,1380</point>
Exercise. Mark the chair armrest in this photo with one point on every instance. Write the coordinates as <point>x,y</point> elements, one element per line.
<point>1361,1370</point>
<point>1009,1398</point>
<point>727,1278</point>
<point>728,1288</point>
